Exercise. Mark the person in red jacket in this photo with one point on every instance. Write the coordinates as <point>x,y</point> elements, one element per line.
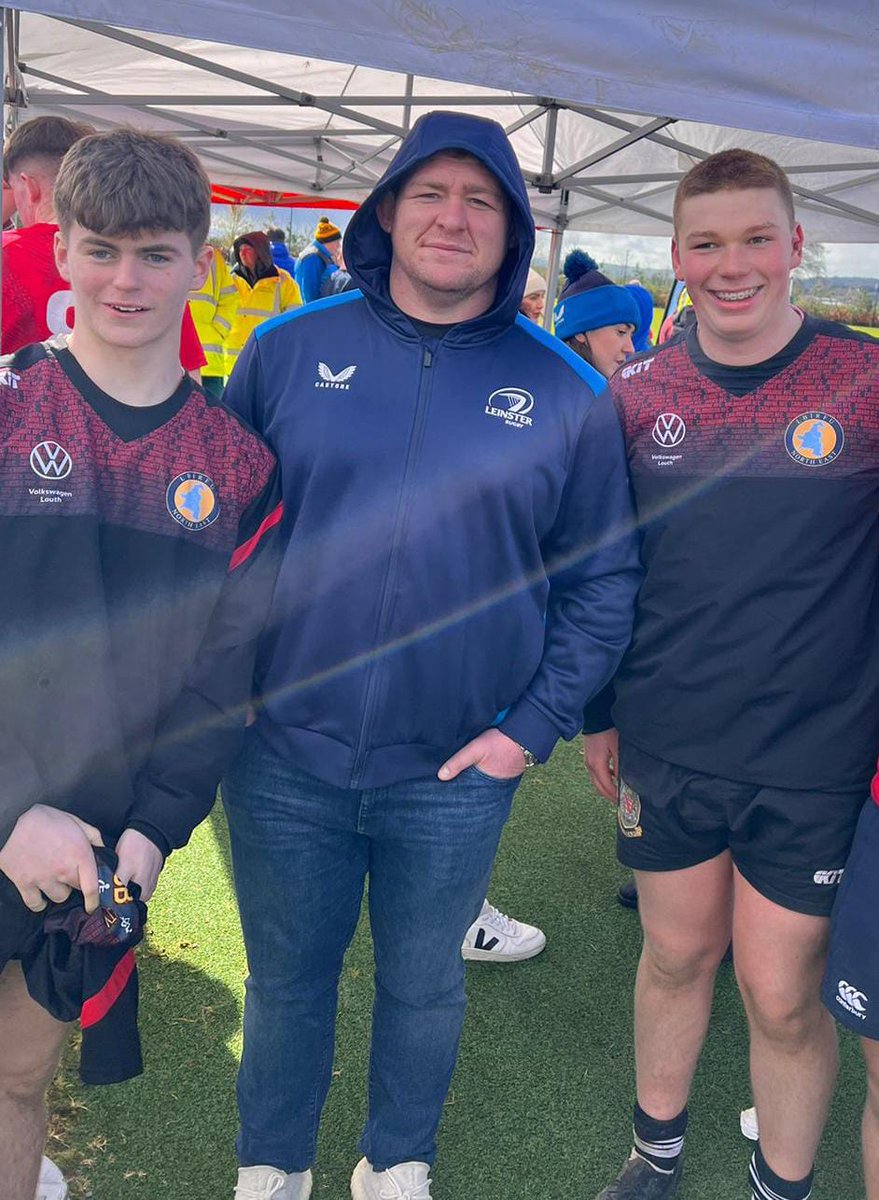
<point>37,302</point>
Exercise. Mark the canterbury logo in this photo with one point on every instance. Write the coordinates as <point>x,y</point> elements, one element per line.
<point>669,429</point>
<point>851,998</point>
<point>50,461</point>
<point>328,377</point>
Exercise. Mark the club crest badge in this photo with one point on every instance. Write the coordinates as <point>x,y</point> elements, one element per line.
<point>191,499</point>
<point>814,439</point>
<point>629,812</point>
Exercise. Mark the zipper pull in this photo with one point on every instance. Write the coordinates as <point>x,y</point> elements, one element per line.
<point>428,356</point>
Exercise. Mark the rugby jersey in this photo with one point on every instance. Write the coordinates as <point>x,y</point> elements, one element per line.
<point>139,552</point>
<point>755,655</point>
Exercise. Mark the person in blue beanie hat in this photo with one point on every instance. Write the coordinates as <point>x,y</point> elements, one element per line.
<point>595,316</point>
<point>281,255</point>
<point>641,338</point>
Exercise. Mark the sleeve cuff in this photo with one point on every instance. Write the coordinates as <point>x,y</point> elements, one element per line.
<point>529,727</point>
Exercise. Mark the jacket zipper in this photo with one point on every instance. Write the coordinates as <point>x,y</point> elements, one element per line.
<point>412,456</point>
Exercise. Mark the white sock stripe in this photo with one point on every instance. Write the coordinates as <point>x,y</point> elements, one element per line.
<point>666,1149</point>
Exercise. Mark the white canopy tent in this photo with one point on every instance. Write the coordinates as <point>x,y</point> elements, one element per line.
<point>606,107</point>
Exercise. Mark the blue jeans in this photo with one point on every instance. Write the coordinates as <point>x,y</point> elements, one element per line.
<point>301,851</point>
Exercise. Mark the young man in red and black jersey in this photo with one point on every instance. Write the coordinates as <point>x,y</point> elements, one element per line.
<point>748,704</point>
<point>37,302</point>
<point>139,521</point>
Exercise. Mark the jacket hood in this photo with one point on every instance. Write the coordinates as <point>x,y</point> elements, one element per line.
<point>367,248</point>
<point>264,266</point>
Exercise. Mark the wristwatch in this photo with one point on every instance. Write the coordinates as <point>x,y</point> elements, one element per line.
<point>531,760</point>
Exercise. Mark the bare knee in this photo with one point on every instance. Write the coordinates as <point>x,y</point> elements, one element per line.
<point>674,965</point>
<point>780,1012</point>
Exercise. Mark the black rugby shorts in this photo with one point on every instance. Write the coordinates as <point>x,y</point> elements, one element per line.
<point>791,846</point>
<point>18,925</point>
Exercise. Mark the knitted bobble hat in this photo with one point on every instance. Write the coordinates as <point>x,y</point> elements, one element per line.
<point>590,300</point>
<point>326,231</point>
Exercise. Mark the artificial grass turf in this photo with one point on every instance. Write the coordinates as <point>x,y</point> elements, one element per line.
<point>541,1102</point>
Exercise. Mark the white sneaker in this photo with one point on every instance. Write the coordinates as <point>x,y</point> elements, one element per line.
<point>495,937</point>
<point>405,1181</point>
<point>748,1124</point>
<point>51,1184</point>
<point>268,1183</point>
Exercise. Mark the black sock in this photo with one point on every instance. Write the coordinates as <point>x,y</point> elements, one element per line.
<point>766,1185</point>
<point>661,1143</point>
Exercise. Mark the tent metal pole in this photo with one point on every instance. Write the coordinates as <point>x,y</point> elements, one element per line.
<point>556,238</point>
<point>301,99</point>
<point>525,119</point>
<point>407,109</point>
<point>614,147</point>
<point>94,97</point>
<point>552,121</point>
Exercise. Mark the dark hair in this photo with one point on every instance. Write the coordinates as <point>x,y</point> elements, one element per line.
<point>581,348</point>
<point>276,235</point>
<point>44,138</point>
<point>129,181</point>
<point>734,170</point>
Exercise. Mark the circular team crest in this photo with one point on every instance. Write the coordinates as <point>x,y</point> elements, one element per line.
<point>629,811</point>
<point>814,439</point>
<point>192,500</point>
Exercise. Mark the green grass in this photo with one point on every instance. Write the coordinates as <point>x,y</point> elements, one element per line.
<point>543,1089</point>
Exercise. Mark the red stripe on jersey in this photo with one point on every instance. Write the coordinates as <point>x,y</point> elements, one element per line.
<point>875,787</point>
<point>96,1007</point>
<point>247,548</point>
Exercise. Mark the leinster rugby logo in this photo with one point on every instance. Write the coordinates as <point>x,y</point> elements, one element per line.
<point>814,439</point>
<point>629,811</point>
<point>669,430</point>
<point>191,500</point>
<point>512,405</point>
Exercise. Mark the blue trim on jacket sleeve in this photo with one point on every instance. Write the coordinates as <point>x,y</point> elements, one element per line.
<point>305,310</point>
<point>596,381</point>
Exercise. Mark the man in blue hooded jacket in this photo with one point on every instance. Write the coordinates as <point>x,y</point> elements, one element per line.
<point>459,577</point>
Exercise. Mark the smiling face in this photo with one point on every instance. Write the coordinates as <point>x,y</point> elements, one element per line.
<point>129,292</point>
<point>735,250</point>
<point>609,346</point>
<point>449,232</point>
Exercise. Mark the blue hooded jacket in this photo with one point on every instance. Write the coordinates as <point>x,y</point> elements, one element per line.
<point>460,548</point>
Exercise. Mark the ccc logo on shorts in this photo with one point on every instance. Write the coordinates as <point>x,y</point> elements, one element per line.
<point>850,998</point>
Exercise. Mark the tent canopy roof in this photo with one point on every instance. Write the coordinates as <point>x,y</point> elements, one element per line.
<point>575,90</point>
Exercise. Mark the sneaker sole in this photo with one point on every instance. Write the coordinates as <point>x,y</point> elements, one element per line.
<point>474,955</point>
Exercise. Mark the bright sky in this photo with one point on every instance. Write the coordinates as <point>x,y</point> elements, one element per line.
<point>842,259</point>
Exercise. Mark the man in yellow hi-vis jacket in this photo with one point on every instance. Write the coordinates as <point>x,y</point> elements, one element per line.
<point>264,290</point>
<point>214,308</point>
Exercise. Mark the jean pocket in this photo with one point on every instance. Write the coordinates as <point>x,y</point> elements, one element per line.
<point>494,778</point>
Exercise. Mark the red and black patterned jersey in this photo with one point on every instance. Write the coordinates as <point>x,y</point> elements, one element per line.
<point>139,551</point>
<point>38,303</point>
<point>755,655</point>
